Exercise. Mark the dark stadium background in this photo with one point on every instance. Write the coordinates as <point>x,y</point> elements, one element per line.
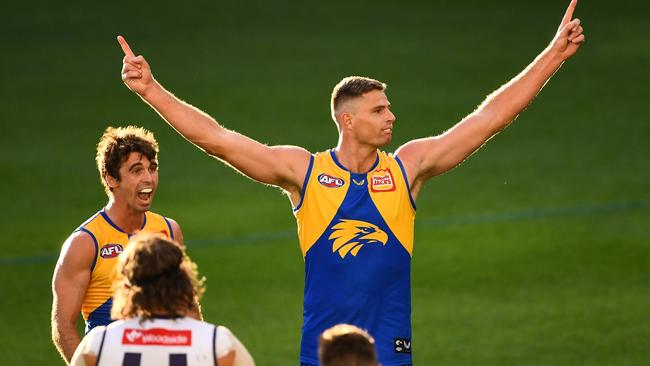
<point>536,251</point>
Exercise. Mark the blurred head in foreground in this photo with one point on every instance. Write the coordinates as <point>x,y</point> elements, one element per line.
<point>346,345</point>
<point>155,277</point>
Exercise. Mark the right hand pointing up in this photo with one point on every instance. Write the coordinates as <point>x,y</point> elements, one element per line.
<point>136,73</point>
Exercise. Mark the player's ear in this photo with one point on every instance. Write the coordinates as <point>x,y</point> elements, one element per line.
<point>111,181</point>
<point>346,120</point>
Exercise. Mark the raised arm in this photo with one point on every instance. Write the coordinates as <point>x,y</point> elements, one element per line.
<point>69,284</point>
<point>427,157</point>
<point>282,166</point>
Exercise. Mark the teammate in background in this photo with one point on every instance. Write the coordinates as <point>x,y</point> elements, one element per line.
<point>346,345</point>
<point>128,168</point>
<point>355,204</point>
<point>157,287</point>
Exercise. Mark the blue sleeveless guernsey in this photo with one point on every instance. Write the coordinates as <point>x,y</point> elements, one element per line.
<point>356,236</point>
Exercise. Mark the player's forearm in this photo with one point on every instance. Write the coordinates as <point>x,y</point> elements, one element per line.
<point>66,339</point>
<point>503,105</point>
<point>192,123</point>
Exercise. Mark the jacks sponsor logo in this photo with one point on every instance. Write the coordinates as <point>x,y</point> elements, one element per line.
<point>382,181</point>
<point>157,337</point>
<point>111,250</point>
<point>330,181</point>
<point>402,345</point>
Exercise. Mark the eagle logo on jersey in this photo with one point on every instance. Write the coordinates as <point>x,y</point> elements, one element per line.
<point>350,235</point>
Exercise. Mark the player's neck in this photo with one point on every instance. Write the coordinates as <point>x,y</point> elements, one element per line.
<point>355,157</point>
<point>124,217</point>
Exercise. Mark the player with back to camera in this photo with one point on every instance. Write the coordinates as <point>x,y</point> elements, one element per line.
<point>156,289</point>
<point>355,204</point>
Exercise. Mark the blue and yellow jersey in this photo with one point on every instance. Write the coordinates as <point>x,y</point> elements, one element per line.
<point>110,241</point>
<point>356,236</point>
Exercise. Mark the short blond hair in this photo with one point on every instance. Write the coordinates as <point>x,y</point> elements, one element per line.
<point>352,87</point>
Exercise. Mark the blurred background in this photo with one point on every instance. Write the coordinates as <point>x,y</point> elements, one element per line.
<point>535,251</point>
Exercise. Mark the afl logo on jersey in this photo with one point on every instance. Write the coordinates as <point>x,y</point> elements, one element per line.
<point>111,251</point>
<point>330,182</point>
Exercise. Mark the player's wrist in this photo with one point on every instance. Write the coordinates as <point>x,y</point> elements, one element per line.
<point>151,90</point>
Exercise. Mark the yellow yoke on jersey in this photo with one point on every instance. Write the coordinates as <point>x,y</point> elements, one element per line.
<point>110,241</point>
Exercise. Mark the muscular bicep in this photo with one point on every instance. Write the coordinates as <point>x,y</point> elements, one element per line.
<point>69,284</point>
<point>282,166</point>
<point>435,155</point>
<point>72,275</point>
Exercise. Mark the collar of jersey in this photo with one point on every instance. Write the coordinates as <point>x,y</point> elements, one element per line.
<point>108,219</point>
<point>338,163</point>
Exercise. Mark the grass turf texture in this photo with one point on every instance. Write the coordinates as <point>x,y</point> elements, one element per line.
<point>535,251</point>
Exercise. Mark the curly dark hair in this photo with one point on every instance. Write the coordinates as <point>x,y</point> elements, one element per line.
<point>115,146</point>
<point>155,277</point>
<point>346,345</point>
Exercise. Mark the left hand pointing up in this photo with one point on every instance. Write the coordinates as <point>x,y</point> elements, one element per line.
<point>569,35</point>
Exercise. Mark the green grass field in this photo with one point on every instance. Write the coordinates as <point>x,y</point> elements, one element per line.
<point>536,251</point>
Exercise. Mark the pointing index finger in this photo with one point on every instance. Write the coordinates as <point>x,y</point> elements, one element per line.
<point>569,12</point>
<point>125,46</point>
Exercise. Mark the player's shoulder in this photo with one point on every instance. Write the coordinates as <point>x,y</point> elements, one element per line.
<point>92,230</point>
<point>225,339</point>
<point>174,227</point>
<point>292,151</point>
<point>79,236</point>
<point>115,324</point>
<point>81,243</point>
<point>196,322</point>
<point>224,331</point>
<point>97,331</point>
<point>158,216</point>
<point>202,327</point>
<point>77,255</point>
<point>174,224</point>
<point>92,342</point>
<point>90,222</point>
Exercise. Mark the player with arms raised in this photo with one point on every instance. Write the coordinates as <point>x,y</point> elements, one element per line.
<point>355,204</point>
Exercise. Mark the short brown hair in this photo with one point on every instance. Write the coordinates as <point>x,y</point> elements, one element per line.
<point>154,275</point>
<point>115,146</point>
<point>352,87</point>
<point>346,345</point>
